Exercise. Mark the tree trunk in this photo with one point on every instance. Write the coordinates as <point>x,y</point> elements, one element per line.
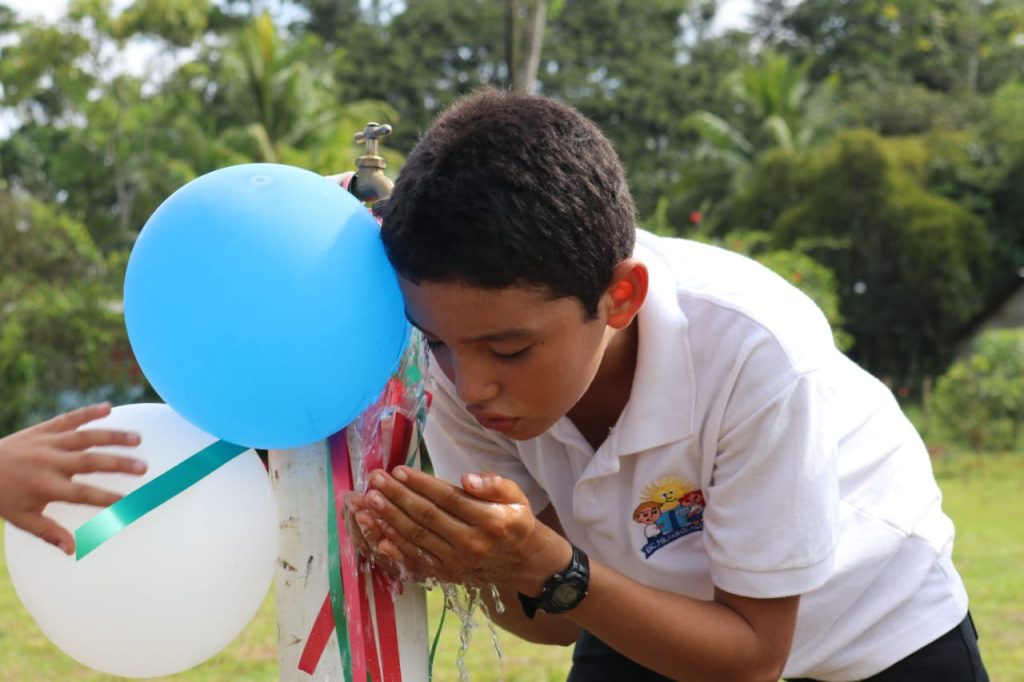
<point>512,43</point>
<point>535,45</point>
<point>522,73</point>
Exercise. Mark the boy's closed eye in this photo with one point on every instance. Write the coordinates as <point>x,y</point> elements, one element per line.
<point>511,355</point>
<point>501,354</point>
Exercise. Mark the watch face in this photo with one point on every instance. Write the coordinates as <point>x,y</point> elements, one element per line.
<point>566,594</point>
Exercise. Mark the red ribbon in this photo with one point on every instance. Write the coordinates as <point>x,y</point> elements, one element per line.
<point>318,637</point>
<point>384,602</point>
<point>384,589</point>
<point>385,666</point>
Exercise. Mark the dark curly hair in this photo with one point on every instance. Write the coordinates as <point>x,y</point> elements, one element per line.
<point>512,189</point>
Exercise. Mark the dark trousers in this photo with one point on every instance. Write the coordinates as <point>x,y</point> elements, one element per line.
<point>953,657</point>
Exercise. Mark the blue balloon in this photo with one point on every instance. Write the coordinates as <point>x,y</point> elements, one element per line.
<point>261,306</point>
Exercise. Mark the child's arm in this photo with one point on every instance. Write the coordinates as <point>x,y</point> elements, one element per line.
<point>429,527</point>
<point>37,465</point>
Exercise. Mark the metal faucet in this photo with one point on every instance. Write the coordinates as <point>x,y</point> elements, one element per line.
<point>370,185</point>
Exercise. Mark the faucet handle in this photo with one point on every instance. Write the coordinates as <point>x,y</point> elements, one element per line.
<point>371,135</point>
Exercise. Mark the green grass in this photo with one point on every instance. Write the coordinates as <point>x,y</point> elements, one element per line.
<point>27,656</point>
<point>983,494</point>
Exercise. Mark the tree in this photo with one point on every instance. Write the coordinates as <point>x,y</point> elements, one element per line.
<point>60,329</point>
<point>522,71</point>
<point>906,260</point>
<point>417,57</point>
<point>774,106</point>
<point>629,68</point>
<point>89,135</point>
<point>942,45</point>
<point>274,100</point>
<point>627,65</point>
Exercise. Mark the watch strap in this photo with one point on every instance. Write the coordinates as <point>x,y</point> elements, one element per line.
<point>578,571</point>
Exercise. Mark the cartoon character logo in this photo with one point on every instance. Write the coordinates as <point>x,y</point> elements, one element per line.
<point>648,513</point>
<point>666,492</point>
<point>669,509</point>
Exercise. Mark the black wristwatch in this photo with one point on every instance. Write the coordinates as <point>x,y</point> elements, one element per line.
<point>564,590</point>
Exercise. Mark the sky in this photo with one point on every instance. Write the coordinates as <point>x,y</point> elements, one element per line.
<point>50,9</point>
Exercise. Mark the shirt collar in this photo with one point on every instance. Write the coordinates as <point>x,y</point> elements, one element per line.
<point>661,406</point>
<point>661,403</point>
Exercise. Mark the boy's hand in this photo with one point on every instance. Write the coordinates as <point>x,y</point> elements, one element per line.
<point>484,533</point>
<point>37,463</point>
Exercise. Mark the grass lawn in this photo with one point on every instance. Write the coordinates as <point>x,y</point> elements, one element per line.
<point>983,494</point>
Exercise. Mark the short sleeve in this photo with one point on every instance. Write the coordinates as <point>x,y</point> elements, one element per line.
<point>772,515</point>
<point>457,444</point>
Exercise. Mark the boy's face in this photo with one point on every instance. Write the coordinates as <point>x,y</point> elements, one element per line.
<point>518,358</point>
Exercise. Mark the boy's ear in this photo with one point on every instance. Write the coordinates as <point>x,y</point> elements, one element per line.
<point>627,292</point>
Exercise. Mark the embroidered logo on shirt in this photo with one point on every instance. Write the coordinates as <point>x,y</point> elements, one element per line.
<point>669,509</point>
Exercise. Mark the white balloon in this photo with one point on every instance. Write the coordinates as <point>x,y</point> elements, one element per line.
<point>173,588</point>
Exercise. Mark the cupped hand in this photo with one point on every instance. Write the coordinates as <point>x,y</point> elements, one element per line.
<point>422,526</point>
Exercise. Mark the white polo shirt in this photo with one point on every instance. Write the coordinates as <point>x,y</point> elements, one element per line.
<point>751,455</point>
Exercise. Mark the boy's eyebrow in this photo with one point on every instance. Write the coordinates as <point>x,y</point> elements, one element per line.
<point>502,335</point>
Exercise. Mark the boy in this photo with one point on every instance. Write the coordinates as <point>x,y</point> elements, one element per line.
<point>594,371</point>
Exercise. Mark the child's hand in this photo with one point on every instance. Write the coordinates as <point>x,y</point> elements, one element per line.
<point>430,528</point>
<point>37,463</point>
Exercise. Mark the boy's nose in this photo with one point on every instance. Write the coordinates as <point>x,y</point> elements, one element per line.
<point>474,387</point>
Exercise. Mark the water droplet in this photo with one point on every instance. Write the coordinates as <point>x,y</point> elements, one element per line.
<point>496,596</point>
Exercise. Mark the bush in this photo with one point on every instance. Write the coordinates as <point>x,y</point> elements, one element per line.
<point>980,400</point>
<point>906,260</point>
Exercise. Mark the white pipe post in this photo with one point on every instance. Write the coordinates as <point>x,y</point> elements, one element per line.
<point>299,477</point>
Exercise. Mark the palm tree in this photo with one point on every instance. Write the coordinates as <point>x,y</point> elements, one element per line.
<point>281,104</point>
<point>781,109</point>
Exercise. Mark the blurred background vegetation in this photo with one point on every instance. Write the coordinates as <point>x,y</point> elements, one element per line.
<point>870,151</point>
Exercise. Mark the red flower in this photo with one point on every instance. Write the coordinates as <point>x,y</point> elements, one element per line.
<point>695,217</point>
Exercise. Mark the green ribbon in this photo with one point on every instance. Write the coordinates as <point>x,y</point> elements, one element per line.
<point>334,572</point>
<point>433,647</point>
<point>148,497</point>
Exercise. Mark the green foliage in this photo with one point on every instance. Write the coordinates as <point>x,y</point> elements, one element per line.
<point>93,139</point>
<point>276,101</point>
<point>897,108</point>
<point>719,132</point>
<point>980,399</point>
<point>1005,126</point>
<point>906,259</point>
<point>944,45</point>
<point>179,22</point>
<point>618,62</point>
<point>774,183</point>
<point>775,108</point>
<point>59,329</point>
